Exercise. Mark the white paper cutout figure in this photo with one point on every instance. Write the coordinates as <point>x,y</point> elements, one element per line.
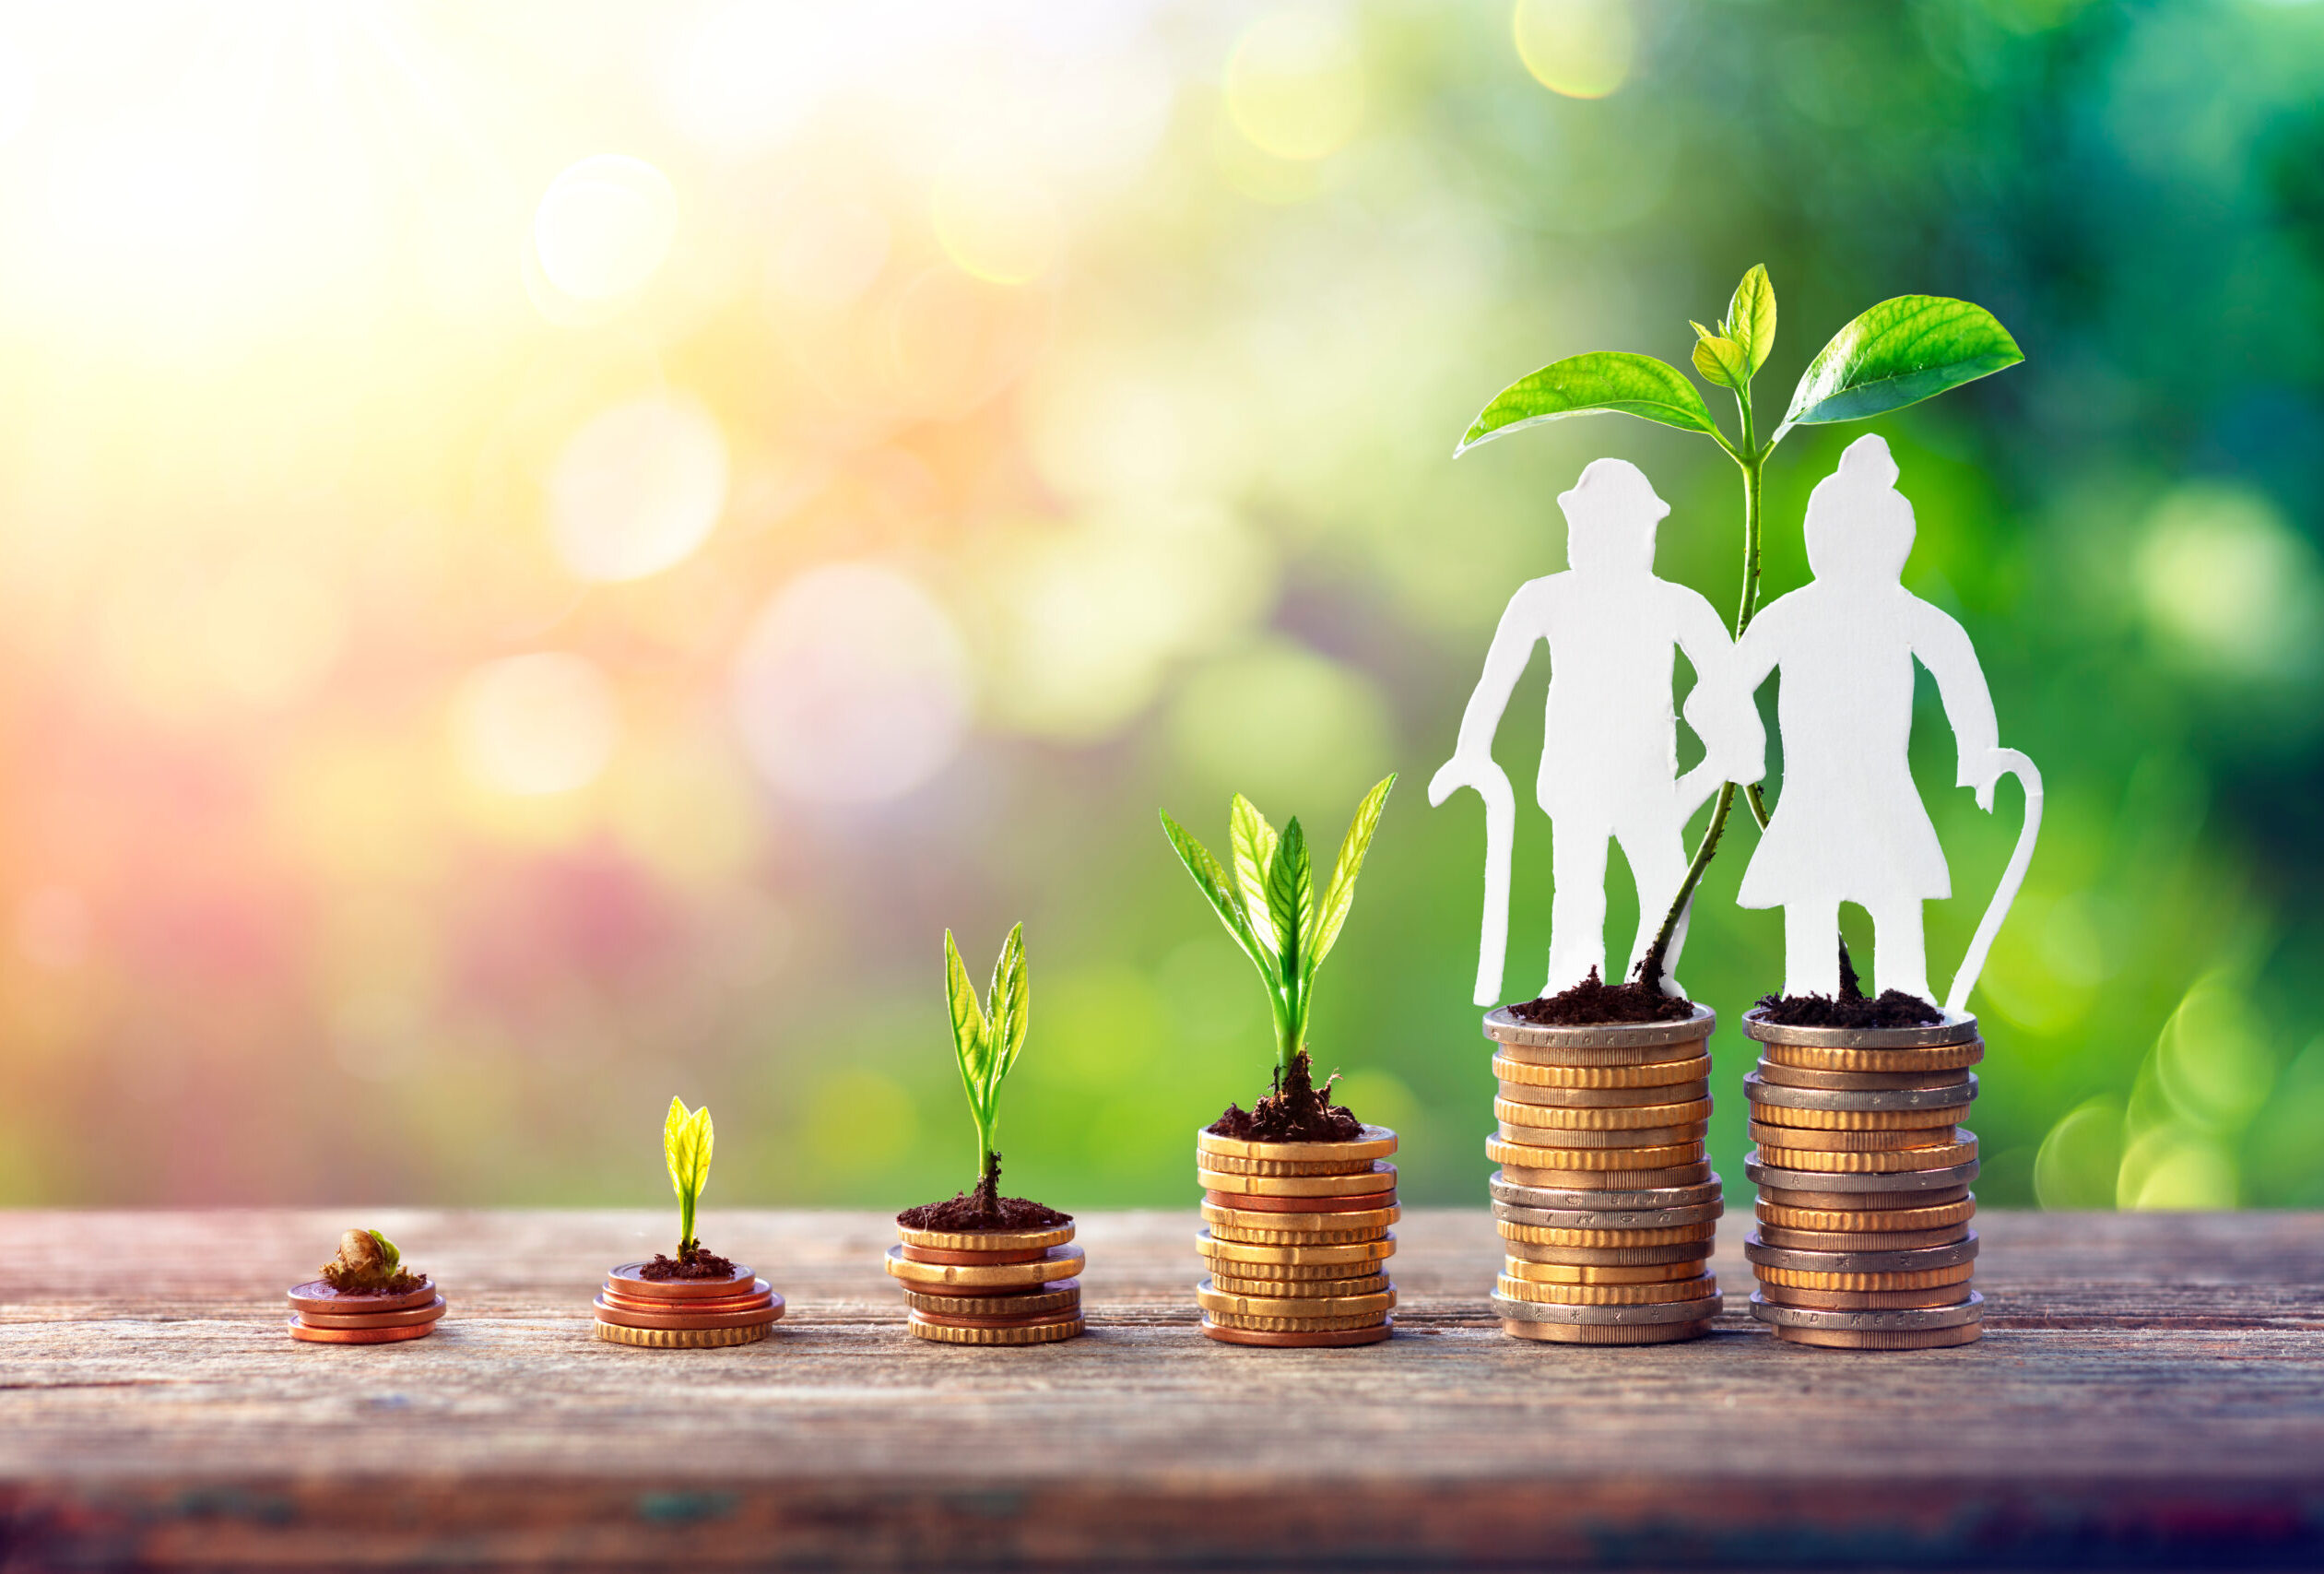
<point>1849,825</point>
<point>1609,760</point>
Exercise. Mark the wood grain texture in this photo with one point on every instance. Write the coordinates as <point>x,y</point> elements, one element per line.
<point>2150,1391</point>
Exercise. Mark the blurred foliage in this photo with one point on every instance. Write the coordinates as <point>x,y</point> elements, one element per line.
<point>489,632</point>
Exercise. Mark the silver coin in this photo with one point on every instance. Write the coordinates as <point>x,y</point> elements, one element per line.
<point>1854,1081</point>
<point>1610,1218</point>
<point>1565,1199</point>
<point>1606,1097</point>
<point>1627,1317</point>
<point>1834,1180</point>
<point>1905,1319</point>
<point>1909,1261</point>
<point>1953,1030</point>
<point>1759,1090</point>
<point>1504,1028</point>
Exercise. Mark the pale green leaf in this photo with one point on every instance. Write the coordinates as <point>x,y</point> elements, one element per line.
<point>1751,319</point>
<point>1899,353</point>
<point>1213,881</point>
<point>699,1139</point>
<point>1253,841</point>
<point>388,1252</point>
<point>673,1138</point>
<point>1340,894</point>
<point>1291,898</point>
<point>686,1142</point>
<point>1012,1004</point>
<point>972,1035</point>
<point>1720,361</point>
<point>1600,380</point>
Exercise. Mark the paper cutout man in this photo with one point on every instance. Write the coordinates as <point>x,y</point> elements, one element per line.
<point>1849,825</point>
<point>1609,760</point>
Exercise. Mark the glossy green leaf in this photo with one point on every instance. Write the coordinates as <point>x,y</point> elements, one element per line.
<point>972,1035</point>
<point>1340,894</point>
<point>686,1144</point>
<point>1252,840</point>
<point>1291,898</point>
<point>1584,384</point>
<point>1012,1005</point>
<point>1720,359</point>
<point>388,1252</point>
<point>1214,883</point>
<point>1751,319</point>
<point>1899,353</point>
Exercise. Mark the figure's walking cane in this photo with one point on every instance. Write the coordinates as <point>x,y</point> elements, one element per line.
<point>2013,764</point>
<point>1501,829</point>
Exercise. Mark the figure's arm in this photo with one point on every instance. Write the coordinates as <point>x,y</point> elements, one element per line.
<point>1720,708</point>
<point>1944,647</point>
<point>1525,621</point>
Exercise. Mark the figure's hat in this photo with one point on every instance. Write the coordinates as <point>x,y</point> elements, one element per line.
<point>1858,525</point>
<point>1613,487</point>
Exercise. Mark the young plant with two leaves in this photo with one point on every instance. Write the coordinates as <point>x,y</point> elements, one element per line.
<point>1268,906</point>
<point>1894,354</point>
<point>686,1142</point>
<point>986,1044</point>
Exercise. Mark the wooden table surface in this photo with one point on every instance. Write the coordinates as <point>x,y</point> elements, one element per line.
<point>2150,1390</point>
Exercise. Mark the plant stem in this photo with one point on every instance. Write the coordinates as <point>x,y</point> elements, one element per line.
<point>988,1172</point>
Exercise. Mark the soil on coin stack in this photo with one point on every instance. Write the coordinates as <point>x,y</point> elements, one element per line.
<point>1297,1111</point>
<point>693,1262</point>
<point>400,1282</point>
<point>1593,1002</point>
<point>1850,1008</point>
<point>971,1213</point>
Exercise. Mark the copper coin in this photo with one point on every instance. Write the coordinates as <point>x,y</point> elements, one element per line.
<point>1005,1319</point>
<point>1298,1229</point>
<point>967,1259</point>
<point>1911,1279</point>
<point>1631,1138</point>
<point>1244,1202</point>
<point>1539,1234</point>
<point>1820,1141</point>
<point>1875,1339</point>
<point>1594,1274</point>
<point>1376,1142</point>
<point>1861,1240</point>
<point>1300,1289</point>
<point>1597,1118</point>
<point>1238,1251</point>
<point>1784,1116</point>
<point>1377,1181</point>
<point>1948,1057</point>
<point>408,1317</point>
<point>689,1321</point>
<point>1505,1151</point>
<point>1514,1311</point>
<point>1607,1256</point>
<point>1684,1176</point>
<point>1660,1293</point>
<point>1817,1161</point>
<point>1891,1101</point>
<point>1897,1319</point>
<point>1320,1340</point>
<point>1658,1073</point>
<point>1880,1260</point>
<point>987,1240</point>
<point>1859,1300</point>
<point>1933,1216</point>
<point>1233,1309</point>
<point>1838,1200</point>
<point>1053,1331</point>
<point>1857,1081</point>
<point>1606,1332</point>
<point>1690,1092</point>
<point>1057,1262</point>
<point>300,1330</point>
<point>682,1338</point>
<point>759,1296</point>
<point>317,1296</point>
<point>1062,1294</point>
<point>627,1277</point>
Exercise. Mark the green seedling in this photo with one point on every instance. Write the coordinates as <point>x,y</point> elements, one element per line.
<point>1896,354</point>
<point>686,1141</point>
<point>986,1045</point>
<point>1268,903</point>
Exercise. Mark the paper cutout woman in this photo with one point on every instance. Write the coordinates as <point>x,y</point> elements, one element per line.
<point>1849,825</point>
<point>1609,759</point>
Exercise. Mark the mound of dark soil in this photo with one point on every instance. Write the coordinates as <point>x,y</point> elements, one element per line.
<point>1850,1007</point>
<point>694,1262</point>
<point>402,1281</point>
<point>972,1211</point>
<point>1593,1002</point>
<point>1297,1111</point>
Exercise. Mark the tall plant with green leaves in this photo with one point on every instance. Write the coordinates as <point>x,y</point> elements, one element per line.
<point>686,1140</point>
<point>986,1043</point>
<point>1894,354</point>
<point>1268,902</point>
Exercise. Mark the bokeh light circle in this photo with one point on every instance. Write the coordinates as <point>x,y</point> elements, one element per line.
<point>1294,85</point>
<point>605,226</point>
<point>1583,49</point>
<point>850,687</point>
<point>637,490</point>
<point>994,222</point>
<point>535,725</point>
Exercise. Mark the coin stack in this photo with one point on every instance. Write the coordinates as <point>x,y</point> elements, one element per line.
<point>1297,1242</point>
<point>685,1314</point>
<point>1606,1206</point>
<point>321,1315</point>
<point>1863,1171</point>
<point>990,1286</point>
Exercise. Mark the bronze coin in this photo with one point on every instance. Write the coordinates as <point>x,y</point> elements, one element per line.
<point>1244,1202</point>
<point>1005,1319</point>
<point>1300,1289</point>
<point>1061,1295</point>
<point>758,1299</point>
<point>1287,1274</point>
<point>689,1321</point>
<point>1859,1300</point>
<point>1229,1164</point>
<point>1377,1181</point>
<point>682,1338</point>
<point>1857,1081</point>
<point>1376,1142</point>
<point>1053,1331</point>
<point>1508,1152</point>
<point>317,1296</point>
<point>1660,1073</point>
<point>1598,1117</point>
<point>1539,1235</point>
<point>1821,1161</point>
<point>1655,1293</point>
<point>1057,1262</point>
<point>1861,1240</point>
<point>1875,1339</point>
<point>306,1334</point>
<point>1863,1202</point>
<point>1857,1142</point>
<point>1303,1255</point>
<point>1915,1279</point>
<point>1689,1092</point>
<point>1629,1180</point>
<point>1298,1229</point>
<point>1606,1256</point>
<point>1327,1339</point>
<point>627,1278</point>
<point>987,1240</point>
<point>966,1259</point>
<point>1935,1216</point>
<point>1631,1138</point>
<point>408,1317</point>
<point>1606,1332</point>
<point>1238,1310</point>
<point>1815,1058</point>
<point>1600,1273</point>
<point>1785,1115</point>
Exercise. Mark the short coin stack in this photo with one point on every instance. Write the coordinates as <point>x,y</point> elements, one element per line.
<point>321,1315</point>
<point>1863,1171</point>
<point>1297,1242</point>
<point>990,1286</point>
<point>685,1314</point>
<point>1606,1205</point>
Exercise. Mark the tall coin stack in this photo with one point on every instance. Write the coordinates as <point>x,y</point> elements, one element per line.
<point>321,1315</point>
<point>990,1286</point>
<point>1606,1205</point>
<point>685,1314</point>
<point>1296,1239</point>
<point>1863,1171</point>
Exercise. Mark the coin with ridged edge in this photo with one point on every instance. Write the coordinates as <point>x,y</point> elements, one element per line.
<point>1504,1028</point>
<point>1515,1310</point>
<point>1956,1028</point>
<point>1772,1074</point>
<point>1824,1183</point>
<point>1606,1332</point>
<point>1581,1099</point>
<point>1230,1308</point>
<point>1918,1279</point>
<point>1057,1262</point>
<point>1784,1118</point>
<point>1658,1073</point>
<point>1873,1339</point>
<point>1861,1240</point>
<point>1824,1140</point>
<point>1238,1251</point>
<point>1316,1205</point>
<point>1289,1274</point>
<point>1596,1273</point>
<point>1227,1163</point>
<point>1662,1292</point>
<point>1300,1289</point>
<point>1630,1138</point>
<point>1317,1340</point>
<point>1706,1193</point>
<point>1817,1162</point>
<point>1376,1142</point>
<point>408,1318</point>
<point>1050,1328</point>
<point>682,1339</point>
<point>686,1318</point>
<point>1604,1219</point>
<point>1379,1180</point>
<point>1764,1093</point>
<point>1760,1254</point>
<point>1863,1300</point>
<point>318,1297</point>
<point>1901,1319</point>
<point>1502,1151</point>
<point>985,1240</point>
<point>1061,1295</point>
<point>1319,1324</point>
<point>1539,1234</point>
<point>306,1334</point>
<point>1607,1180</point>
<point>1934,1217</point>
<point>1586,1118</point>
<point>1293,1229</point>
<point>1608,1257</point>
<point>1814,1057</point>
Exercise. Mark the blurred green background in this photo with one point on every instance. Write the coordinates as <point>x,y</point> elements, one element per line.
<point>547,552</point>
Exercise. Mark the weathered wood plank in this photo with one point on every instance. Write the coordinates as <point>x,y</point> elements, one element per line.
<point>2152,1390</point>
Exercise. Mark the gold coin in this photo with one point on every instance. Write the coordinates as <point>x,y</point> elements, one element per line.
<point>1861,1300</point>
<point>1859,1240</point>
<point>1864,1201</point>
<point>1293,1324</point>
<point>1023,1333</point>
<point>1605,1097</point>
<point>1240,1251</point>
<point>1606,1332</point>
<point>1609,1256</point>
<point>1298,1289</point>
<point>1512,1112</point>
<point>1695,1173</point>
<point>1063,1294</point>
<point>683,1338</point>
<point>985,1240</point>
<point>1943,1157</point>
<point>1849,1141</point>
<point>1857,1119</point>
<point>1692,1048</point>
<point>1609,1294</point>
<point>1544,1235</point>
<point>1249,1225</point>
<point>1378,1180</point>
<point>1866,1221</point>
<point>1376,1142</point>
<point>1821,1058</point>
<point>1915,1279</point>
<point>1502,1151</point>
<point>1660,1074</point>
<point>1218,1304</point>
<point>1058,1262</point>
<point>1227,1163</point>
<point>1877,1339</point>
<point>1285,1274</point>
<point>1632,1140</point>
<point>1576,1274</point>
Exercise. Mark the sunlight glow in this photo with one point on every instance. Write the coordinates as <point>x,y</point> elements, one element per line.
<point>605,226</point>
<point>637,490</point>
<point>1582,48</point>
<point>1294,85</point>
<point>995,223</point>
<point>531,726</point>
